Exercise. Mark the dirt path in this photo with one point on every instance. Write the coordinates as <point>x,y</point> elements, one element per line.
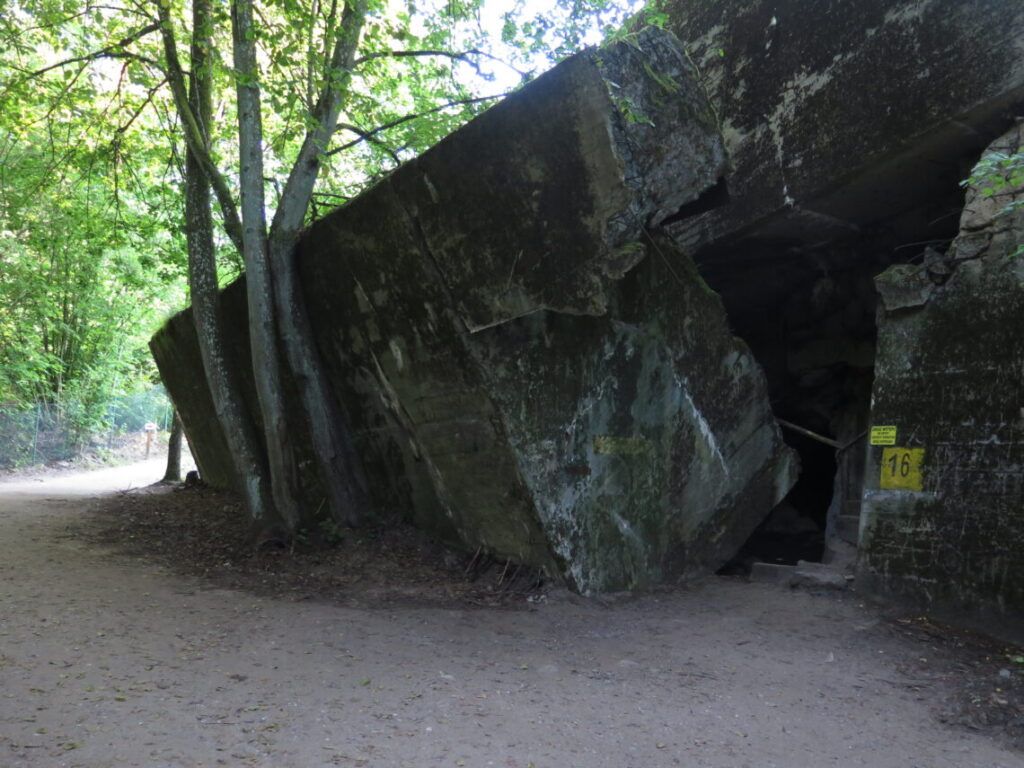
<point>107,661</point>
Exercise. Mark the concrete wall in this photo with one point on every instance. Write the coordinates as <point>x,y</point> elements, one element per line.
<point>943,514</point>
<point>847,119</point>
<point>836,113</point>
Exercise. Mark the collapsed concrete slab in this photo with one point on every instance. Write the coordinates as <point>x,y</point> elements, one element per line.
<point>942,522</point>
<point>528,366</point>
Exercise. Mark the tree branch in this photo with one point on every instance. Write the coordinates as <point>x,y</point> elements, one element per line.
<point>195,134</point>
<point>291,213</point>
<point>148,100</point>
<point>61,22</point>
<point>65,89</point>
<point>110,52</point>
<point>368,135</point>
<point>406,54</point>
<point>460,55</point>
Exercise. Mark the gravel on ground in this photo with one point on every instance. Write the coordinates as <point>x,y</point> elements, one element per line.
<point>137,628</point>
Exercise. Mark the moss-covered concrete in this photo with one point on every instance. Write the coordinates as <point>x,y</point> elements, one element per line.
<point>950,379</point>
<point>176,351</point>
<point>836,113</point>
<point>526,371</point>
<point>538,204</point>
<point>644,435</point>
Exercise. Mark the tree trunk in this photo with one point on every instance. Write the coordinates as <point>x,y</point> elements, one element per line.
<point>173,472</point>
<point>225,389</point>
<point>275,302</point>
<point>341,470</point>
<point>259,278</point>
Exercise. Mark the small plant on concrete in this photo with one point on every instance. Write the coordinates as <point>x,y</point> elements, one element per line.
<point>999,173</point>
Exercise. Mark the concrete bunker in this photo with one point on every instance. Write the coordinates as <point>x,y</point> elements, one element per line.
<point>848,130</point>
<point>850,127</point>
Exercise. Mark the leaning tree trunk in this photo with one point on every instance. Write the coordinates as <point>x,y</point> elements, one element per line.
<point>340,467</point>
<point>196,110</point>
<point>225,389</point>
<point>266,360</point>
<point>341,470</point>
<point>173,472</point>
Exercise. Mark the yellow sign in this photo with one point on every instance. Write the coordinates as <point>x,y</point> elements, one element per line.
<point>883,435</point>
<point>901,469</point>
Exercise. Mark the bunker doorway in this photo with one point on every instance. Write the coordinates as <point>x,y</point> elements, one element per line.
<point>809,320</point>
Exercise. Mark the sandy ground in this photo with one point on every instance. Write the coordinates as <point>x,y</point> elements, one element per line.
<point>107,660</point>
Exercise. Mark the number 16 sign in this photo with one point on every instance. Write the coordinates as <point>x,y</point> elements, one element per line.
<point>901,469</point>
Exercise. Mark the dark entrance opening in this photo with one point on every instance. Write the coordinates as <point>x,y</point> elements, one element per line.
<point>808,315</point>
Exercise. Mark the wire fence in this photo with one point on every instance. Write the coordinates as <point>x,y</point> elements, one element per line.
<point>47,433</point>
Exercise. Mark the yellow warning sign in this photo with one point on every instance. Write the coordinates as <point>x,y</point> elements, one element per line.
<point>883,435</point>
<point>901,469</point>
<point>623,446</point>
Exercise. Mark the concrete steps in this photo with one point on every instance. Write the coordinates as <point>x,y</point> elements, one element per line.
<point>813,576</point>
<point>848,528</point>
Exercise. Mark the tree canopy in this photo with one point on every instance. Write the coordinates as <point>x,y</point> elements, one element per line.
<point>94,76</point>
<point>90,260</point>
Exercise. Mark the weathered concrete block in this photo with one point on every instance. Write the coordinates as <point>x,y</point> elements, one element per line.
<point>838,113</point>
<point>817,576</point>
<point>772,573</point>
<point>943,518</point>
<point>176,350</point>
<point>527,368</point>
<point>565,176</point>
<point>643,436</point>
